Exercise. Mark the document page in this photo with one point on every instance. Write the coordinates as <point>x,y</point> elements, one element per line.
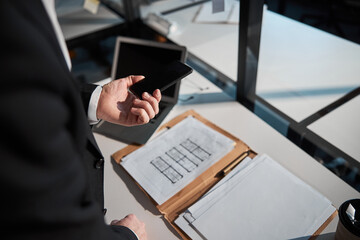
<point>259,200</point>
<point>172,160</point>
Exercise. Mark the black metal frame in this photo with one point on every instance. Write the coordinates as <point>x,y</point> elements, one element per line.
<point>131,10</point>
<point>249,43</point>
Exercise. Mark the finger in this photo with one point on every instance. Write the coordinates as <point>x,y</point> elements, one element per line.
<point>145,104</point>
<point>133,223</point>
<point>153,102</point>
<point>132,217</point>
<point>113,222</point>
<point>130,80</point>
<point>157,95</point>
<point>141,114</point>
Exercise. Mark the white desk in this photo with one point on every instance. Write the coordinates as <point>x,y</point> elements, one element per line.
<point>332,127</point>
<point>301,69</point>
<point>80,22</point>
<point>122,196</point>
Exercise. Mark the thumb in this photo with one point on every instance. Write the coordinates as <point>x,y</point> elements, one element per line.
<point>134,79</point>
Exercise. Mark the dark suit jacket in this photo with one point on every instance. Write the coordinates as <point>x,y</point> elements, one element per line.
<point>51,174</point>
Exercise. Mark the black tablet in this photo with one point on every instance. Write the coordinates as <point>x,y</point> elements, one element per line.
<point>162,78</point>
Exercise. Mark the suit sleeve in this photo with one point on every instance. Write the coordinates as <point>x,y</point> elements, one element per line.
<point>43,178</point>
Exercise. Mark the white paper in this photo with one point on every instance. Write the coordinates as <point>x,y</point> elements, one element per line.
<point>221,189</point>
<point>266,202</point>
<point>169,162</point>
<point>187,228</point>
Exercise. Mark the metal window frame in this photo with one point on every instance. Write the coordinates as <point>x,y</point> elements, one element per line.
<point>251,13</point>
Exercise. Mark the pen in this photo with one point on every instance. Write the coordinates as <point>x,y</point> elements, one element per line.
<point>231,165</point>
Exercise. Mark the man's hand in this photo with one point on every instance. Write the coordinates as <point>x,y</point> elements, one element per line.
<point>118,106</point>
<point>132,222</point>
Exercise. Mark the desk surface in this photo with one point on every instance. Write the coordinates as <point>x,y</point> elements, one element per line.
<point>80,22</point>
<point>332,127</point>
<point>122,196</point>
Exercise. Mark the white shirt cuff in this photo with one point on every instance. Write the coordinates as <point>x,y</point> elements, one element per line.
<point>94,99</point>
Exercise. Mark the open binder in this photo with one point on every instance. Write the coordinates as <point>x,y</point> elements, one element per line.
<point>192,192</point>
